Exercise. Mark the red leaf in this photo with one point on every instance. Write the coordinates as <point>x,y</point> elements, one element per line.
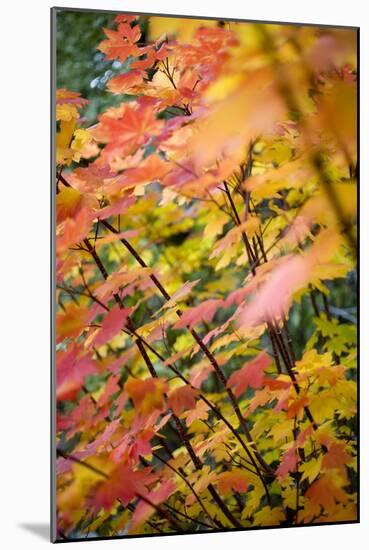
<point>119,207</point>
<point>123,484</point>
<point>102,442</point>
<point>249,376</point>
<point>71,368</point>
<point>275,384</point>
<point>288,463</point>
<point>202,312</point>
<point>199,374</point>
<point>144,510</point>
<point>113,322</point>
<point>133,445</point>
<point>275,295</point>
<point>111,387</point>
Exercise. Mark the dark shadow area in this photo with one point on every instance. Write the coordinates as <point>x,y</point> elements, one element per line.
<point>42,530</point>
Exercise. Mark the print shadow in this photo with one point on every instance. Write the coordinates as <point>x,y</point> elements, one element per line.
<point>42,530</point>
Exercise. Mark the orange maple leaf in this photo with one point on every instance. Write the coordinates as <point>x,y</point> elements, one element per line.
<point>147,395</point>
<point>182,399</point>
<point>324,493</point>
<point>124,83</point>
<point>236,480</point>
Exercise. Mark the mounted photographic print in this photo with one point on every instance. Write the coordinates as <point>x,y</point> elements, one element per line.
<point>204,278</point>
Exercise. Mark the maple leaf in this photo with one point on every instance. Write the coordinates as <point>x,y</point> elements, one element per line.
<point>116,208</point>
<point>337,112</point>
<point>110,238</point>
<point>81,139</point>
<point>101,443</point>
<point>147,395</point>
<point>269,516</point>
<point>133,445</point>
<point>233,235</point>
<point>69,201</point>
<point>201,480</point>
<point>131,127</point>
<point>260,398</point>
<point>202,312</point>
<point>72,365</point>
<point>110,388</point>
<point>236,480</point>
<point>121,43</point>
<point>124,484</point>
<point>124,83</point>
<point>297,406</point>
<point>181,293</point>
<point>119,279</point>
<point>199,374</point>
<point>144,510</point>
<point>215,225</point>
<point>64,96</point>
<point>200,412</point>
<point>136,441</point>
<point>92,177</point>
<point>324,493</point>
<point>80,417</point>
<point>74,230</point>
<point>125,18</point>
<point>71,322</point>
<point>274,297</point>
<point>288,463</point>
<point>111,325</point>
<point>182,399</point>
<point>311,469</point>
<point>249,376</point>
<point>153,168</point>
<point>337,456</point>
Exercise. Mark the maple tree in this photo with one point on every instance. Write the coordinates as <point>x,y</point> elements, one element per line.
<point>195,219</point>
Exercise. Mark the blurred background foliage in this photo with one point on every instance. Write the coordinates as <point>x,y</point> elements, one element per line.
<point>80,66</point>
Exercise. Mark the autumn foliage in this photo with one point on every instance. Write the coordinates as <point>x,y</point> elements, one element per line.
<point>194,221</point>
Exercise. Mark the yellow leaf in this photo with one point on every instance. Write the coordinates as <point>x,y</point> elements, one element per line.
<point>269,516</point>
<point>81,138</point>
<point>182,28</point>
<point>64,136</point>
<point>224,86</point>
<point>216,224</point>
<point>66,112</point>
<point>310,470</point>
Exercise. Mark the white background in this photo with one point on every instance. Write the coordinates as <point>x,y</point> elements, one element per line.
<point>24,270</point>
